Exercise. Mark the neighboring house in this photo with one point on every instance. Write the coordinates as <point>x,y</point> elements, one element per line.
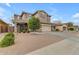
<point>21,21</point>
<point>3,26</point>
<point>59,27</point>
<point>76,27</point>
<point>63,27</point>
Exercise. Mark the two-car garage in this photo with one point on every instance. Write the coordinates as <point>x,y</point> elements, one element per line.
<point>45,27</point>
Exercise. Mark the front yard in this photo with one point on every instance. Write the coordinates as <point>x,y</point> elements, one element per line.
<point>28,42</point>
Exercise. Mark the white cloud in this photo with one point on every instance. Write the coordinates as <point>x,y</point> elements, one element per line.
<point>55,20</point>
<point>8,4</point>
<point>76,16</point>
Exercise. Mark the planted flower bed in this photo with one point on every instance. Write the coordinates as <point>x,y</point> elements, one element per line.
<point>7,40</point>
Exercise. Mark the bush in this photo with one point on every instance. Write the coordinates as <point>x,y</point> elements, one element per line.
<point>71,29</point>
<point>57,30</point>
<point>10,34</point>
<point>7,40</point>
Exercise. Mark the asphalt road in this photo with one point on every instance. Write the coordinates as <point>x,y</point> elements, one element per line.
<point>71,36</point>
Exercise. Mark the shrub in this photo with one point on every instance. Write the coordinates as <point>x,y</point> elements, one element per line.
<point>7,40</point>
<point>10,34</point>
<point>57,30</point>
<point>71,29</point>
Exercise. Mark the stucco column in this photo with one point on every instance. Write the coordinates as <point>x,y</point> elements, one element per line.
<point>15,28</point>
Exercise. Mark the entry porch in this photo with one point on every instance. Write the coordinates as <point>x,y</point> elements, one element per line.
<point>21,27</point>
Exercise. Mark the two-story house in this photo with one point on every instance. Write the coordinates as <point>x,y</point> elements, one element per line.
<point>21,21</point>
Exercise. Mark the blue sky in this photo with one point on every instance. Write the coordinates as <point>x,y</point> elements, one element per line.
<point>64,12</point>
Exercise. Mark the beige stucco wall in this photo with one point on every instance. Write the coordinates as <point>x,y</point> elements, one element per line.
<point>24,18</point>
<point>60,28</point>
<point>43,17</point>
<point>65,26</point>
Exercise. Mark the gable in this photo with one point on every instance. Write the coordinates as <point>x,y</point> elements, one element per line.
<point>43,17</point>
<point>42,12</point>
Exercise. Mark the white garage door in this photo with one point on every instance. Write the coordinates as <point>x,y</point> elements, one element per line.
<point>46,28</point>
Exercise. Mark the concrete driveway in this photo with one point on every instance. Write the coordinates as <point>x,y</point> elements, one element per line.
<point>68,46</point>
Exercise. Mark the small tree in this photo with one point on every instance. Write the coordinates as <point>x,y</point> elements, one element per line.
<point>34,23</point>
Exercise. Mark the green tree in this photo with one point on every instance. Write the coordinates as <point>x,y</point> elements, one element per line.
<point>34,23</point>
